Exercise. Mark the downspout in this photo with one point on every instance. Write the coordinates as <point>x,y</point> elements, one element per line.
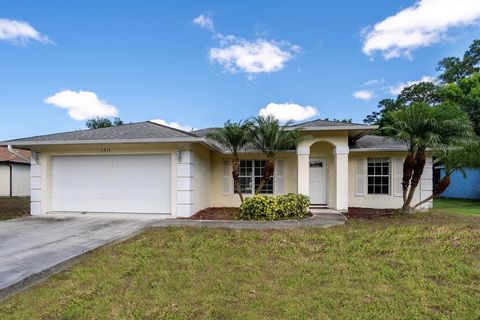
<point>10,149</point>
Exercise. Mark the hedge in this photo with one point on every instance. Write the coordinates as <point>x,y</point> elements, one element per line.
<point>261,207</point>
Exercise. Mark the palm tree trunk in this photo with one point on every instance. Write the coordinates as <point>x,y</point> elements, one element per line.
<point>441,187</point>
<point>267,174</point>
<point>417,175</point>
<point>408,165</point>
<point>236,176</point>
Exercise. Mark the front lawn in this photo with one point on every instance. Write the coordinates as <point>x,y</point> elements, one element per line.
<point>422,266</point>
<point>14,207</point>
<point>459,206</point>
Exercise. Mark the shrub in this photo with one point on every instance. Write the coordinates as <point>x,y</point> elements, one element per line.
<point>261,207</point>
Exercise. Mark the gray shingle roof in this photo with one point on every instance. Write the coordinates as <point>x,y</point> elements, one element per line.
<point>140,130</point>
<point>378,143</point>
<point>325,123</point>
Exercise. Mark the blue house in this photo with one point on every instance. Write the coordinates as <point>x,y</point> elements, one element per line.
<point>463,188</point>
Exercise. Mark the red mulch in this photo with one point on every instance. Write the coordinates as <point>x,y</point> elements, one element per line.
<point>368,213</point>
<point>216,213</point>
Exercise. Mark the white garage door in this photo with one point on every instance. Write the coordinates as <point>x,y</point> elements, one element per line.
<point>129,184</point>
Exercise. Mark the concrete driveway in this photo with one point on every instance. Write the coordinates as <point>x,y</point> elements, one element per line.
<point>32,245</point>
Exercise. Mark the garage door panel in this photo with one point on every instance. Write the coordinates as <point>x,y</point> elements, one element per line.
<point>112,183</point>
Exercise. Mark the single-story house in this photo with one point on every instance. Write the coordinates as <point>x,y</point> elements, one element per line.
<point>150,168</point>
<point>14,173</point>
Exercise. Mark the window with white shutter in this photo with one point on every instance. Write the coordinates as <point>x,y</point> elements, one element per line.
<point>227,185</point>
<point>360,178</point>
<point>398,176</point>
<point>279,177</point>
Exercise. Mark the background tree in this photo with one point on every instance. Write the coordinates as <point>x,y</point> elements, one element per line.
<point>422,126</point>
<point>233,136</point>
<point>101,122</point>
<point>453,69</point>
<point>270,137</point>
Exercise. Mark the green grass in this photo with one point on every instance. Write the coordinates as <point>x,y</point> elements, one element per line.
<point>458,206</point>
<point>420,266</point>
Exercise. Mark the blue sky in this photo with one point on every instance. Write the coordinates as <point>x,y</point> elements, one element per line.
<point>62,61</point>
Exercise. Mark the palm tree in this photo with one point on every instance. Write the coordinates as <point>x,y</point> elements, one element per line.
<point>233,136</point>
<point>421,127</point>
<point>270,137</point>
<point>454,159</point>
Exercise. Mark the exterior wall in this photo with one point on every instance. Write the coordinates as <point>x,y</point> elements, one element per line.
<point>202,181</point>
<point>394,199</point>
<point>21,180</point>
<point>41,167</point>
<point>463,187</point>
<point>231,199</point>
<point>4,181</point>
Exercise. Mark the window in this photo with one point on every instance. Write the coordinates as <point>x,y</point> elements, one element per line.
<point>378,176</point>
<point>251,172</point>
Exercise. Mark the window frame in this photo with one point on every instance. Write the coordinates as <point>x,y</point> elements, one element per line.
<point>375,161</point>
<point>252,177</point>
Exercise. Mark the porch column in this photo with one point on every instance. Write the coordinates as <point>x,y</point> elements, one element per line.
<point>341,178</point>
<point>303,166</point>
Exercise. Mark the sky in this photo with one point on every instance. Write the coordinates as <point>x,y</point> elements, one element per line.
<point>196,64</point>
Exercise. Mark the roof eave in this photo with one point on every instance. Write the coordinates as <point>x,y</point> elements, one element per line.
<point>337,128</point>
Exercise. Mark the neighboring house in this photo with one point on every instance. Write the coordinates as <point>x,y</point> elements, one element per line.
<point>463,187</point>
<point>149,168</point>
<point>14,173</point>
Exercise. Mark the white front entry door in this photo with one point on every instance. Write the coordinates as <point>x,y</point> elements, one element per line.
<point>318,181</point>
<point>111,183</point>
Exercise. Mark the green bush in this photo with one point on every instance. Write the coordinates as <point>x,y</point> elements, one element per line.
<point>269,208</point>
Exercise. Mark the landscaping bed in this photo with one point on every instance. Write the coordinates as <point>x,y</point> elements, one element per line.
<point>216,213</point>
<point>14,207</point>
<point>369,213</point>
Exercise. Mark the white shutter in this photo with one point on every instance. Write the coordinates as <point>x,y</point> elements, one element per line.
<point>397,177</point>
<point>227,177</point>
<point>360,178</point>
<point>279,177</point>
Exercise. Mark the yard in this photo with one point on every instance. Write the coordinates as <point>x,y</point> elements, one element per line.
<point>420,266</point>
<point>15,207</point>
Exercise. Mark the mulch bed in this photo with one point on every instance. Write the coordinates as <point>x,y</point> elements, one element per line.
<point>216,213</point>
<point>368,213</point>
<point>15,207</point>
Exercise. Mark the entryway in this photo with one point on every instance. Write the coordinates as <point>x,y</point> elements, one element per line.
<point>318,181</point>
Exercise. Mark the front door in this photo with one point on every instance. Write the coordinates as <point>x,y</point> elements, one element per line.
<point>318,181</point>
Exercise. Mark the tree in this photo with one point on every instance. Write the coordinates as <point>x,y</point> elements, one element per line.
<point>100,122</point>
<point>457,158</point>
<point>466,93</point>
<point>270,137</point>
<point>454,69</point>
<point>422,126</point>
<point>233,136</point>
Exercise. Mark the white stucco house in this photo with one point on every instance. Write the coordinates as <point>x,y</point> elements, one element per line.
<point>14,173</point>
<point>149,168</point>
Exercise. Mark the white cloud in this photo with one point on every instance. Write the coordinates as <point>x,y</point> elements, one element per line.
<point>173,125</point>
<point>288,111</point>
<point>373,82</point>
<point>204,21</point>
<point>423,24</point>
<point>260,56</point>
<point>363,94</point>
<point>20,32</point>
<point>252,57</point>
<point>82,105</point>
<point>397,89</point>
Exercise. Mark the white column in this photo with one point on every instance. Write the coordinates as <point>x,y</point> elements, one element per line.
<point>341,178</point>
<point>426,184</point>
<point>303,170</point>
<point>36,193</point>
<point>185,183</point>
